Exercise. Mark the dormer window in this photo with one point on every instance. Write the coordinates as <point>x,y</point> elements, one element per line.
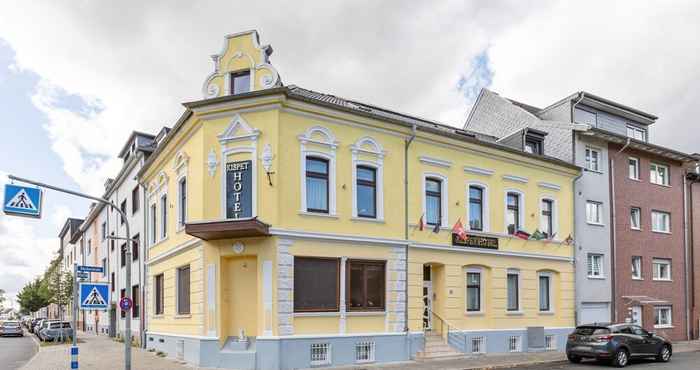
<point>240,82</point>
<point>534,141</point>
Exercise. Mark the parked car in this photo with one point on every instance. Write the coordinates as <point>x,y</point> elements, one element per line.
<point>11,328</point>
<point>617,343</point>
<point>43,324</point>
<point>36,325</point>
<point>56,330</point>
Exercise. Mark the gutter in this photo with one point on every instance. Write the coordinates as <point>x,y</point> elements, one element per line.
<point>685,257</point>
<point>405,197</point>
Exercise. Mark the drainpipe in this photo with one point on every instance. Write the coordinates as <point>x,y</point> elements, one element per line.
<point>405,196</point>
<point>685,256</point>
<point>691,243</point>
<point>613,234</point>
<point>144,258</point>
<point>573,204</point>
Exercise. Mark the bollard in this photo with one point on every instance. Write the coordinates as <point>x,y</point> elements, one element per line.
<point>74,357</point>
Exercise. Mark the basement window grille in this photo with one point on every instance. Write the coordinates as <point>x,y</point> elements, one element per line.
<point>514,343</point>
<point>478,345</point>
<point>364,352</point>
<point>550,342</point>
<point>320,354</point>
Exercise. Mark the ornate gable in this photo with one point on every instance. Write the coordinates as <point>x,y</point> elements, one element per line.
<point>241,53</point>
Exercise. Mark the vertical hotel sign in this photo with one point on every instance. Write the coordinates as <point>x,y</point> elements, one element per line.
<point>239,191</point>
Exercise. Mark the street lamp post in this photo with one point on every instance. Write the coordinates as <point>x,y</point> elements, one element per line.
<point>127,292</point>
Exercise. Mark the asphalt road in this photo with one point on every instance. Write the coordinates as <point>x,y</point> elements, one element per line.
<point>16,351</point>
<point>679,361</point>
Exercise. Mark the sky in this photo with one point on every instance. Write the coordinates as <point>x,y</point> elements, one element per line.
<point>76,77</point>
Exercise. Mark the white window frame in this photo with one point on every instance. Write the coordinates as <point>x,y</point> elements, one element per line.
<point>486,224</point>
<point>657,310</point>
<point>638,218</point>
<point>550,276</point>
<point>600,210</point>
<point>163,206</point>
<point>636,130</point>
<point>479,271</point>
<point>555,213</point>
<point>588,156</point>
<point>639,264</point>
<point>515,343</point>
<point>365,347</point>
<point>329,145</point>
<point>513,271</point>
<point>636,168</point>
<point>654,174</point>
<point>521,208</point>
<point>323,348</point>
<point>589,262</point>
<point>153,223</point>
<point>181,222</point>
<point>444,203</point>
<point>478,345</point>
<point>655,214</point>
<point>373,155</point>
<point>656,269</point>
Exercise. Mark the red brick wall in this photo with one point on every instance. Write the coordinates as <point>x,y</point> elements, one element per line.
<point>694,199</point>
<point>647,244</point>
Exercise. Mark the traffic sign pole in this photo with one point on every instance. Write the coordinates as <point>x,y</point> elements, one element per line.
<point>127,326</point>
<point>74,348</point>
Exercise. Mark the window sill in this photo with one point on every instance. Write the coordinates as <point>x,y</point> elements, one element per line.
<point>596,277</point>
<point>663,280</point>
<point>368,219</point>
<point>635,229</point>
<point>182,316</point>
<point>661,232</point>
<point>593,171</point>
<point>633,179</point>
<point>664,327</point>
<point>317,314</point>
<point>366,313</point>
<point>316,214</point>
<point>595,223</point>
<point>158,242</point>
<point>515,313</point>
<point>158,317</point>
<point>547,313</point>
<point>662,185</point>
<point>637,279</point>
<point>474,313</point>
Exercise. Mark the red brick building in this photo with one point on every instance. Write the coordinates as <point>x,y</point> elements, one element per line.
<point>650,283</point>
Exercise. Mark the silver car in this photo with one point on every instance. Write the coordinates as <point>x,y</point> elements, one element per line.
<point>11,328</point>
<point>56,331</point>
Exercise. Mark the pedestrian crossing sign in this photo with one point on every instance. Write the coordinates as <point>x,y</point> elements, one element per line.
<point>22,201</point>
<point>94,296</point>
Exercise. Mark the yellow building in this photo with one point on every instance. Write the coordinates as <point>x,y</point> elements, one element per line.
<point>283,233</point>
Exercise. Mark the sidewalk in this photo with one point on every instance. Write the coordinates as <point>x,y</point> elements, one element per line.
<point>99,353</point>
<point>102,353</point>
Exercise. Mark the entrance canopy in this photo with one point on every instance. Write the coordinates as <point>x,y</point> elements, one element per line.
<point>227,229</point>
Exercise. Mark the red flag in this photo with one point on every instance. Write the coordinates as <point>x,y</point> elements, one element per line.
<point>458,229</point>
<point>522,235</point>
<point>421,223</point>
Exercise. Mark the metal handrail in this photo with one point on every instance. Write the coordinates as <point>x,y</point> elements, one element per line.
<point>443,323</point>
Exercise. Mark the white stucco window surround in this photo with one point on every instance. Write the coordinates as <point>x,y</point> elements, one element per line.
<point>521,208</point>
<point>157,190</point>
<point>482,289</point>
<point>555,214</point>
<point>444,203</point>
<point>319,142</point>
<point>180,167</point>
<point>239,138</point>
<point>514,292</point>
<point>549,294</point>
<point>369,153</point>
<point>486,214</point>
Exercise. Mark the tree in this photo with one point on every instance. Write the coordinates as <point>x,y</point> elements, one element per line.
<point>33,296</point>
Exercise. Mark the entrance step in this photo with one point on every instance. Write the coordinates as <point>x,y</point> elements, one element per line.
<point>437,348</point>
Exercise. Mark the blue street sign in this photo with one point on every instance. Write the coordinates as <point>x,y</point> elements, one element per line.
<point>94,296</point>
<point>83,275</point>
<point>90,269</point>
<point>22,201</point>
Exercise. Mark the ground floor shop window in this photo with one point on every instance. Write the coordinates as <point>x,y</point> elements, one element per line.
<point>366,285</point>
<point>316,284</point>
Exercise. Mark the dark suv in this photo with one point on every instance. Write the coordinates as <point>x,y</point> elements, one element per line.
<point>617,343</point>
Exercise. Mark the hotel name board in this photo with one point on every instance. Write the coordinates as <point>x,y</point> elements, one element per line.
<point>239,189</point>
<point>475,241</point>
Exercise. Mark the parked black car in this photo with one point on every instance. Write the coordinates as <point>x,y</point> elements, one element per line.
<point>617,343</point>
